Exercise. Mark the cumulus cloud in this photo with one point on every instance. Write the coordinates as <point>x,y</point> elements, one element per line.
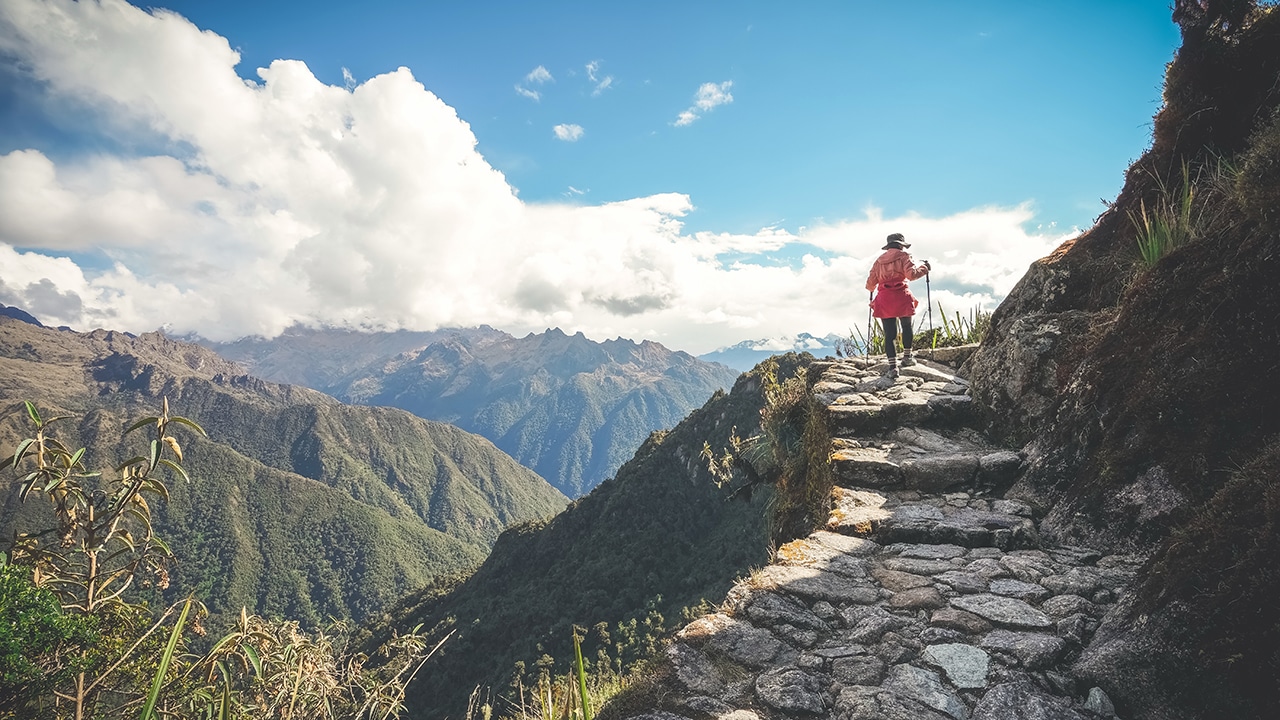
<point>286,200</point>
<point>568,133</point>
<point>708,97</point>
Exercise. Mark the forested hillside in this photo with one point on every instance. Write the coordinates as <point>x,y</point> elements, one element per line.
<point>660,537</point>
<point>299,506</point>
<point>569,408</point>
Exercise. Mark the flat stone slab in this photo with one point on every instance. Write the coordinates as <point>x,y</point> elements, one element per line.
<point>897,581</point>
<point>1034,651</point>
<point>964,582</point>
<point>719,634</point>
<point>964,665</point>
<point>1008,612</point>
<point>927,598</point>
<point>939,472</point>
<point>817,584</point>
<point>1008,587</point>
<point>868,467</point>
<point>790,690</point>
<point>1024,701</point>
<point>926,687</point>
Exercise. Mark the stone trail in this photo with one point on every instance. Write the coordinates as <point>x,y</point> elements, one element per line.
<point>927,597</point>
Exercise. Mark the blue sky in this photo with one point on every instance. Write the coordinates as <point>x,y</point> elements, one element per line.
<point>340,191</point>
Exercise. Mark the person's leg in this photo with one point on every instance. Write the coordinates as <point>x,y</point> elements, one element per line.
<point>891,344</point>
<point>907,340</point>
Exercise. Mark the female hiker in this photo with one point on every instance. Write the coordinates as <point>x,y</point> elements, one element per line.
<point>893,303</point>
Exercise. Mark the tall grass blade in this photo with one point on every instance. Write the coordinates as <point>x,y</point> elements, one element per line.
<point>149,708</point>
<point>582,678</point>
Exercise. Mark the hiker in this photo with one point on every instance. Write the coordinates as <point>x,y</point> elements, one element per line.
<point>893,303</point>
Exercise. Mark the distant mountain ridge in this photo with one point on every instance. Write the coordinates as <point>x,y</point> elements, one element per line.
<point>749,353</point>
<point>570,408</point>
<point>299,506</point>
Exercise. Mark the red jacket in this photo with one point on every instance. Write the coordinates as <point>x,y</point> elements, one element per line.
<point>889,275</point>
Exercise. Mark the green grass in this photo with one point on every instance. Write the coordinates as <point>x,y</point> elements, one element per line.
<point>958,329</point>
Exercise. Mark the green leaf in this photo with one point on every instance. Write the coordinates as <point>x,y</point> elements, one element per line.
<point>32,412</point>
<point>582,678</point>
<point>141,423</point>
<point>75,459</point>
<point>131,461</point>
<point>155,454</point>
<point>252,654</point>
<point>176,468</point>
<point>20,453</point>
<point>190,424</point>
<point>149,709</point>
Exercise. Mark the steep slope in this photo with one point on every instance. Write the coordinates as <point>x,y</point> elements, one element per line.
<point>569,408</point>
<point>661,534</point>
<point>300,506</point>
<point>1146,396</point>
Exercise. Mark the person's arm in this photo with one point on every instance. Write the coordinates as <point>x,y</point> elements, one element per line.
<point>915,272</point>
<point>873,278</point>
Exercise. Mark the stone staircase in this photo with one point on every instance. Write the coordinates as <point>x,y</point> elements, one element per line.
<point>927,596</point>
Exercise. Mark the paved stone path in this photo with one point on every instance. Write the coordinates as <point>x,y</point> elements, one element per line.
<point>927,597</point>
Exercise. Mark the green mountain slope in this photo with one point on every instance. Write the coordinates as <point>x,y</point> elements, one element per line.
<point>571,409</point>
<point>661,534</point>
<point>300,506</point>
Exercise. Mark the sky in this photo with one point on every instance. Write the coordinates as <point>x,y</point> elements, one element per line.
<point>693,173</point>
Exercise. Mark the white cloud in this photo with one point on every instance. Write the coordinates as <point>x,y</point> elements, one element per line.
<point>601,83</point>
<point>289,200</point>
<point>709,96</point>
<point>568,133</point>
<point>538,76</point>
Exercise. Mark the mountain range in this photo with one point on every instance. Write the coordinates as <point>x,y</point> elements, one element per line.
<point>747,354</point>
<point>571,409</point>
<point>300,506</point>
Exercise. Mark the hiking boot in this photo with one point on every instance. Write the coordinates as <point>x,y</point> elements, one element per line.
<point>892,371</point>
<point>907,360</point>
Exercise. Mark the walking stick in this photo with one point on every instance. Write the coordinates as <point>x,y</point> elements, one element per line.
<point>928,297</point>
<point>866,353</point>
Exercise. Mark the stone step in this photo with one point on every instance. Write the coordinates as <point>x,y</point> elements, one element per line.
<point>882,467</point>
<point>958,520</point>
<point>860,399</point>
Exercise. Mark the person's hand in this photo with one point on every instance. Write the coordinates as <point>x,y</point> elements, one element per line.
<point>927,266</point>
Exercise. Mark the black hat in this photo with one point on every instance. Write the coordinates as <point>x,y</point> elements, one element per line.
<point>896,241</point>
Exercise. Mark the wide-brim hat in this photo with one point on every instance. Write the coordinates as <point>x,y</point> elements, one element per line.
<point>896,241</point>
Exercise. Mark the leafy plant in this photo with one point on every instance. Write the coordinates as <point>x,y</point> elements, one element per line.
<point>102,543</point>
<point>105,656</point>
<point>791,452</point>
<point>957,329</point>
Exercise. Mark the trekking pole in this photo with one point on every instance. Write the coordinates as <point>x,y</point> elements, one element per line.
<point>867,350</point>
<point>928,298</point>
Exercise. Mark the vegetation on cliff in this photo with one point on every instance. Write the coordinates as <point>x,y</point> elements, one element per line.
<point>660,537</point>
<point>1143,387</point>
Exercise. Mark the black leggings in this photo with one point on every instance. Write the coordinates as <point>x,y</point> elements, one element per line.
<point>891,335</point>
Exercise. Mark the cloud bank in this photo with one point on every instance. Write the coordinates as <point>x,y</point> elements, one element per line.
<point>285,200</point>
